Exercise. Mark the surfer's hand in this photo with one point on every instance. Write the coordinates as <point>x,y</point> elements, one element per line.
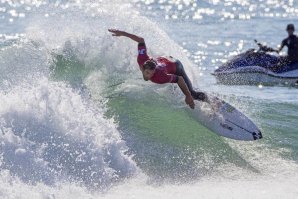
<point>189,101</point>
<point>115,32</point>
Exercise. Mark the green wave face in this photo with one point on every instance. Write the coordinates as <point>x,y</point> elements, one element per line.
<point>167,142</point>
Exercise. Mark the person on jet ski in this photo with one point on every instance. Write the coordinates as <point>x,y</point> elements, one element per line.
<point>292,43</point>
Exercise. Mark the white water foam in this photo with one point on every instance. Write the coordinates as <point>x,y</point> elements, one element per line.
<point>50,134</point>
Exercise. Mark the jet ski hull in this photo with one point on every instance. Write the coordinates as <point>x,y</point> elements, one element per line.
<point>255,67</point>
<point>255,75</point>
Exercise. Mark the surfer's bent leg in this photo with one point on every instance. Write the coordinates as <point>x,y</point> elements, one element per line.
<point>180,72</point>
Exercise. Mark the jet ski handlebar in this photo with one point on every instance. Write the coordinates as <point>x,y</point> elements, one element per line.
<point>264,48</point>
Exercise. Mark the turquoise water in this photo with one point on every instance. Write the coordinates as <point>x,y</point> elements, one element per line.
<point>78,121</point>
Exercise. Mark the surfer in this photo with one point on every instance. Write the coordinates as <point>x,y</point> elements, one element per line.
<point>163,70</point>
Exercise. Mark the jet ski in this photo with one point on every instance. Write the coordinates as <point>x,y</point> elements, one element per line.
<point>256,67</point>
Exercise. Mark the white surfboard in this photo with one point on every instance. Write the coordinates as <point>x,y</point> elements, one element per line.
<point>225,120</point>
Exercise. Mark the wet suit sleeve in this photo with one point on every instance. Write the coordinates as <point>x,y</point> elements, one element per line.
<point>142,54</point>
<point>284,43</point>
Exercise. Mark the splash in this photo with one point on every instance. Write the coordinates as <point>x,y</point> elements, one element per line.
<point>50,134</point>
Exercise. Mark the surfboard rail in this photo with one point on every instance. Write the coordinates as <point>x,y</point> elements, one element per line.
<point>225,120</point>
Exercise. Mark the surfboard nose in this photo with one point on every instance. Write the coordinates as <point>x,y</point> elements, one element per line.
<point>257,135</point>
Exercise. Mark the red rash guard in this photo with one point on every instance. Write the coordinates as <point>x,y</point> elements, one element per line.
<point>165,69</point>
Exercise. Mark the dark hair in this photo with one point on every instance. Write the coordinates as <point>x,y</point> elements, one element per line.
<point>150,64</point>
<point>290,27</point>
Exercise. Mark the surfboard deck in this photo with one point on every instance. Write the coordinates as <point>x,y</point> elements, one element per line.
<point>225,120</point>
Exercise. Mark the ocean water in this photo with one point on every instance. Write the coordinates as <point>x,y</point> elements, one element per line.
<point>78,121</point>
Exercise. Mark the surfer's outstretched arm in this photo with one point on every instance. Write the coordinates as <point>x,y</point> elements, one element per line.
<point>118,33</point>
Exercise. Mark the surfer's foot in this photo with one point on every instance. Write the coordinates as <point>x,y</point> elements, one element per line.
<point>200,96</point>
